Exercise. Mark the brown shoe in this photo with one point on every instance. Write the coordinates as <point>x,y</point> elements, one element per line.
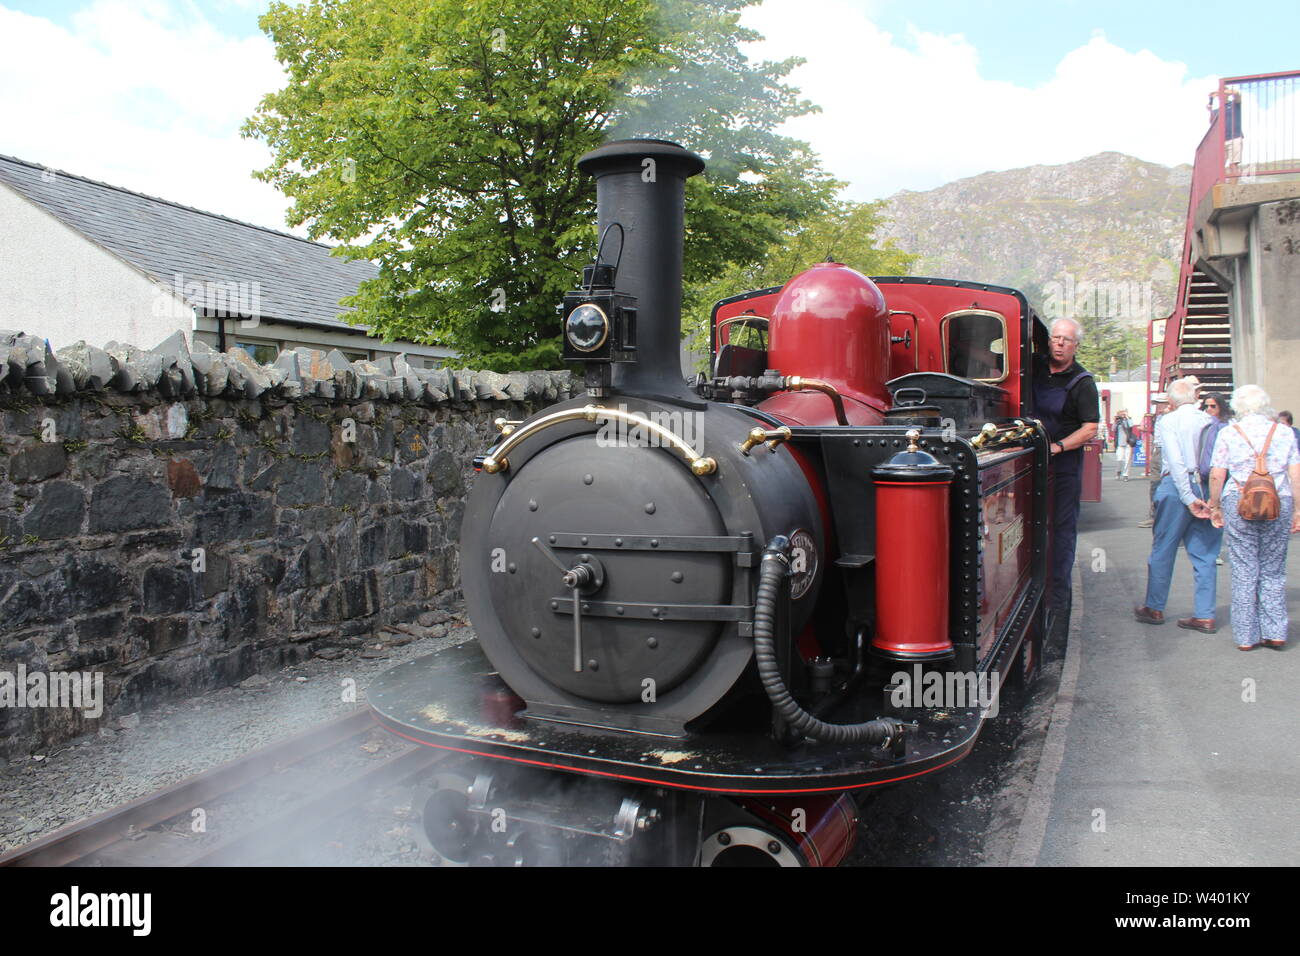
<point>1276,645</point>
<point>1247,647</point>
<point>1205,625</point>
<point>1148,616</point>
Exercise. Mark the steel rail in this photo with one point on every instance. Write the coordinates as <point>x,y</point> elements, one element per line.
<point>78,840</point>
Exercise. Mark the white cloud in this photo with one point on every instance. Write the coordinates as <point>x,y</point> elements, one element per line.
<point>148,95</point>
<point>917,114</point>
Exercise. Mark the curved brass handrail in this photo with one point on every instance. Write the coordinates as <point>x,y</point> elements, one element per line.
<point>498,462</point>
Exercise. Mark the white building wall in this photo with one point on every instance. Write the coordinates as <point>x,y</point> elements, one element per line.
<point>1125,395</point>
<point>57,283</point>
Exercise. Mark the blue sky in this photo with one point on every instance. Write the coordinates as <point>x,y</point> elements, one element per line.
<point>1021,41</point>
<point>150,94</point>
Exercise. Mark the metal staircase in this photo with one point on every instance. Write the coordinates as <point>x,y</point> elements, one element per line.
<point>1205,341</point>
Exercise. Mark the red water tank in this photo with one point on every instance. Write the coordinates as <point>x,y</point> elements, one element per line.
<point>912,534</point>
<point>831,323</point>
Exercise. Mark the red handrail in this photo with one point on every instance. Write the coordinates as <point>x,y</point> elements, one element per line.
<point>1254,131</point>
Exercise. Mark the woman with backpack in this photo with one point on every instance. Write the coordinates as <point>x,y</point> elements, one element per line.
<point>1254,469</point>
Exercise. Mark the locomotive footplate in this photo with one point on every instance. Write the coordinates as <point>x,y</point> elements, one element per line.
<point>455,701</point>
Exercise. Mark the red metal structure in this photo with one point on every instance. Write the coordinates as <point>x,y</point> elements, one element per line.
<point>1252,135</point>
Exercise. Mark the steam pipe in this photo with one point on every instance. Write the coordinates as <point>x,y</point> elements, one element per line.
<point>797,383</point>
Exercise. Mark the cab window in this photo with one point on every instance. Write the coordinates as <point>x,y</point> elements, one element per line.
<point>975,344</point>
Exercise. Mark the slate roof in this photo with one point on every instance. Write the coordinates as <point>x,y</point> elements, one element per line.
<point>297,280</point>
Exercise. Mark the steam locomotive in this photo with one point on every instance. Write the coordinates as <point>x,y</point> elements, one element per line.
<point>706,610</point>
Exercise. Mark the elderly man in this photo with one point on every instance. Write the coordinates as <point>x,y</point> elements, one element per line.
<point>1182,514</point>
<point>1065,398</point>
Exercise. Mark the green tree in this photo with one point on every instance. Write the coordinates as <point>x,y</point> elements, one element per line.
<point>439,138</point>
<point>1106,341</point>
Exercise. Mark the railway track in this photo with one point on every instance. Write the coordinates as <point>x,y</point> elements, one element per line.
<point>243,811</point>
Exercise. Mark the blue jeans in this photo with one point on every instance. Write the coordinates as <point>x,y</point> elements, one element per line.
<point>1176,525</point>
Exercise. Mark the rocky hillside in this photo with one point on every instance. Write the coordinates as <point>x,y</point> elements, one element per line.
<point>1100,236</point>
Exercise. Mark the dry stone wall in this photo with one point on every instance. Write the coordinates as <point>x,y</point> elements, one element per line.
<point>179,520</point>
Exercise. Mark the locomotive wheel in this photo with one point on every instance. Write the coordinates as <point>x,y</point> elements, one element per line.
<point>446,822</point>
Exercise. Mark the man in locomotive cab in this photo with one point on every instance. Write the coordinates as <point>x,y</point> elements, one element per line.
<point>1066,400</point>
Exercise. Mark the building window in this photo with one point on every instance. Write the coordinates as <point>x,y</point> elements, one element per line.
<point>263,353</point>
<point>353,355</point>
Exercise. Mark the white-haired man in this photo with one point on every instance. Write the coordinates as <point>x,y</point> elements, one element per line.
<point>1065,398</point>
<point>1182,514</point>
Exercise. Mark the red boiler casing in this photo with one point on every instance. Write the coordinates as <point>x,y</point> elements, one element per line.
<point>912,529</point>
<point>831,323</point>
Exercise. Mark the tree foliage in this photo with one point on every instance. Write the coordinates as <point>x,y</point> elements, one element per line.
<point>1108,346</point>
<point>439,138</point>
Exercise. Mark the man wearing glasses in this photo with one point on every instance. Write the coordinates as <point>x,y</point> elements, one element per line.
<point>1065,399</point>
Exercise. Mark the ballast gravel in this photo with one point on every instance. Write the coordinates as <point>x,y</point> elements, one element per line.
<point>137,754</point>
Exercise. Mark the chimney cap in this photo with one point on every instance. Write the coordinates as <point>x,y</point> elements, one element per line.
<point>627,155</point>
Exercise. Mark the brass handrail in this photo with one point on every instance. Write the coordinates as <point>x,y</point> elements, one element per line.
<point>498,462</point>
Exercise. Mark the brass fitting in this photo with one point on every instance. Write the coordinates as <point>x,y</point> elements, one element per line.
<point>986,435</point>
<point>759,436</point>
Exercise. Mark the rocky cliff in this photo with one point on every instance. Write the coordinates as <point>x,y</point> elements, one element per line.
<point>1098,236</point>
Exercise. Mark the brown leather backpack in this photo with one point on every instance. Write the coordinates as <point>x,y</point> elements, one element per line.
<point>1259,500</point>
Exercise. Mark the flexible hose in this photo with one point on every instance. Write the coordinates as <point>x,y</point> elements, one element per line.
<point>774,566</point>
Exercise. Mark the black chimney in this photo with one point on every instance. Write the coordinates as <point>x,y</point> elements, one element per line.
<point>641,185</point>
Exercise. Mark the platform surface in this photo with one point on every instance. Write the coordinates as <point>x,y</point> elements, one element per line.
<point>1179,750</point>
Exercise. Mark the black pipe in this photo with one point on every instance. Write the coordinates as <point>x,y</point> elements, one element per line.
<point>883,731</point>
<point>641,185</point>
